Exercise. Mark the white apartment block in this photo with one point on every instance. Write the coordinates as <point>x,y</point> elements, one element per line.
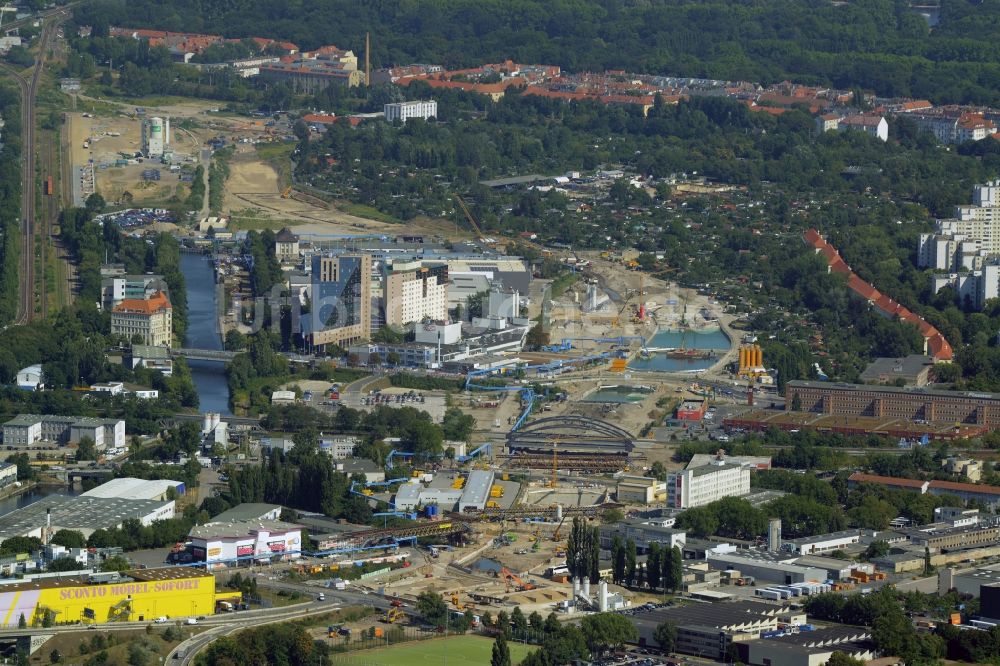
<point>403,111</point>
<point>952,129</point>
<point>26,429</point>
<point>975,287</point>
<point>698,486</point>
<point>970,238</point>
<point>414,296</point>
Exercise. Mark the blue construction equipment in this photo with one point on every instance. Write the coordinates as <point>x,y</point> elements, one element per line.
<point>485,448</point>
<point>396,454</point>
<point>409,515</point>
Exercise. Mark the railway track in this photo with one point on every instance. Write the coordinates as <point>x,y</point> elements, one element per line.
<point>29,89</point>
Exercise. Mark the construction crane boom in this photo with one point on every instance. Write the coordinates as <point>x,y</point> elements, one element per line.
<point>469,217</point>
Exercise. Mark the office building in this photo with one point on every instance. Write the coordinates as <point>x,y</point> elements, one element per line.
<point>643,533</point>
<point>403,111</point>
<point>8,474</point>
<point>341,301</point>
<point>955,407</point>
<point>417,295</point>
<point>699,486</point>
<point>27,429</point>
<point>149,320</point>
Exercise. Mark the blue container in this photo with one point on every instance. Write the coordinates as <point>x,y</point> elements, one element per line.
<point>431,511</point>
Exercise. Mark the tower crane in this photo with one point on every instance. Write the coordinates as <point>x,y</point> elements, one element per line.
<point>470,218</point>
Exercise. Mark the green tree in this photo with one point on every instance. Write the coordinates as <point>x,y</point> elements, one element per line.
<point>630,562</point>
<point>55,657</point>
<point>876,549</point>
<point>665,636</point>
<point>843,659</point>
<point>519,623</point>
<point>116,563</point>
<point>501,653</point>
<point>64,564</point>
<point>86,449</point>
<point>617,559</point>
<point>457,425</point>
<point>432,608</point>
<point>69,539</point>
<point>653,571</point>
<point>607,631</point>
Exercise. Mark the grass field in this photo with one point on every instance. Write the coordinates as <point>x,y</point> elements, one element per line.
<point>460,650</point>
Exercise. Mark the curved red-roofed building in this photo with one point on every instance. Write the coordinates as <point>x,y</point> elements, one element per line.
<point>935,343</point>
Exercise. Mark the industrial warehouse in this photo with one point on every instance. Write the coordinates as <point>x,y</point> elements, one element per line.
<point>130,596</point>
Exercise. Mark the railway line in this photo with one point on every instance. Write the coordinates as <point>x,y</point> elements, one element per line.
<point>29,89</point>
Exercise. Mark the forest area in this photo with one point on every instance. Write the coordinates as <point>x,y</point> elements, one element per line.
<point>880,45</point>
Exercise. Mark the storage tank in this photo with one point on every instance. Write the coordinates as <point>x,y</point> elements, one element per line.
<point>431,511</point>
<point>602,596</point>
<point>154,137</point>
<point>207,423</point>
<point>758,357</point>
<point>743,359</point>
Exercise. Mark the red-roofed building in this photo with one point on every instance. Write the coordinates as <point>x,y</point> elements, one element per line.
<point>148,320</point>
<point>935,343</point>
<point>858,478</point>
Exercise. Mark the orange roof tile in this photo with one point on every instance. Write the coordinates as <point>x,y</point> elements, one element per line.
<point>152,305</point>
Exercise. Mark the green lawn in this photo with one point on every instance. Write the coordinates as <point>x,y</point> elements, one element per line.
<point>460,650</point>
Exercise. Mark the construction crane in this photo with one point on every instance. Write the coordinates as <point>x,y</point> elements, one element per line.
<point>555,537</point>
<point>470,218</point>
<point>616,323</point>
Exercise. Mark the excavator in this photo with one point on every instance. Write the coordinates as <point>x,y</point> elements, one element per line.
<point>511,579</point>
<point>285,193</point>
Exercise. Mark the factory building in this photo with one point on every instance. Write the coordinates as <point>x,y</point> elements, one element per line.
<point>476,491</point>
<point>27,429</point>
<point>823,543</point>
<point>766,569</point>
<point>82,514</point>
<point>708,630</point>
<point>216,543</point>
<point>810,648</point>
<point>136,489</point>
<point>753,462</point>
<point>132,596</point>
<point>640,490</point>
<point>699,486</point>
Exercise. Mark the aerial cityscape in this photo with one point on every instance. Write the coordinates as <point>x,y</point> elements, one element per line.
<point>556,333</point>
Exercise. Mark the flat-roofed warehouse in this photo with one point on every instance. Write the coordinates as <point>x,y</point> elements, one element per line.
<point>82,514</point>
<point>132,596</point>
<point>579,443</point>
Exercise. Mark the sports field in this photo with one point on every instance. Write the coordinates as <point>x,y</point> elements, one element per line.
<point>460,651</point>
